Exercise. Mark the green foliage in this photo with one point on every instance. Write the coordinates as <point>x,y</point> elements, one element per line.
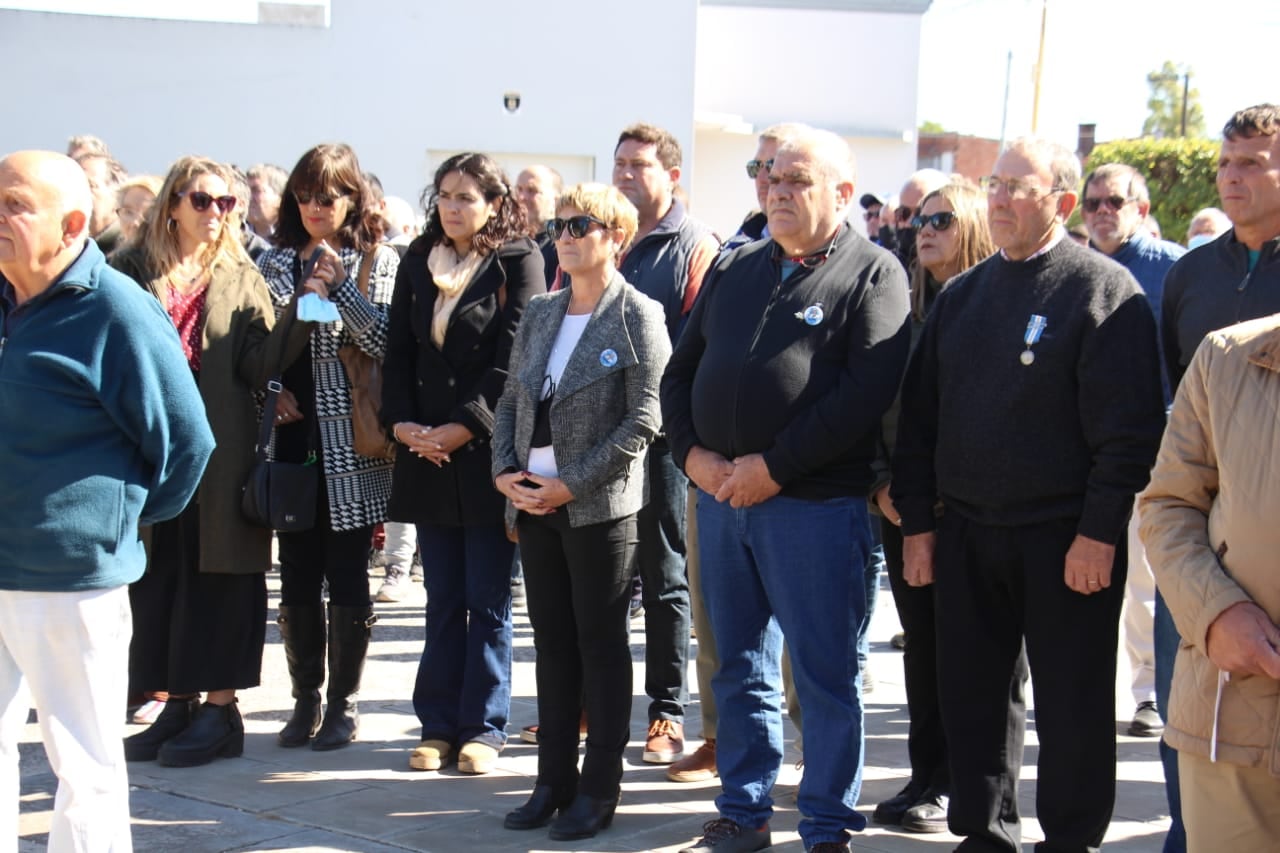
<point>931,127</point>
<point>1180,175</point>
<point>1168,87</point>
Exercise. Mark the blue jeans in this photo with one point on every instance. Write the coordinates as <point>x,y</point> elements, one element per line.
<point>792,567</point>
<point>463,689</point>
<point>1166,649</point>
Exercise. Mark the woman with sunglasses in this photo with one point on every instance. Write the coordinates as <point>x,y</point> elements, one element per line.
<point>951,236</point>
<point>199,614</point>
<point>569,441</point>
<point>327,213</point>
<point>460,293</point>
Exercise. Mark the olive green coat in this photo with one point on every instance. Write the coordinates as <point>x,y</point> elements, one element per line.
<point>240,351</point>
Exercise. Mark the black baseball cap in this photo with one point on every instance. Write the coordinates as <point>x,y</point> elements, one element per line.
<point>869,199</point>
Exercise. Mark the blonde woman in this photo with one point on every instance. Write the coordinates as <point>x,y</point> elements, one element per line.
<point>199,613</point>
<point>133,202</point>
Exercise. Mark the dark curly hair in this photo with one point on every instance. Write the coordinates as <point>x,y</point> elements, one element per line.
<point>508,224</point>
<point>331,168</point>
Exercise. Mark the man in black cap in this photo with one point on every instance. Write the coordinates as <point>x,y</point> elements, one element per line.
<point>871,207</point>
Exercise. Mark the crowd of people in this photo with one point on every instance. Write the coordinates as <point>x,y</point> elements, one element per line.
<point>587,382</point>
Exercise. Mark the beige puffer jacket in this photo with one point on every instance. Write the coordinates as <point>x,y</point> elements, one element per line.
<point>1211,525</point>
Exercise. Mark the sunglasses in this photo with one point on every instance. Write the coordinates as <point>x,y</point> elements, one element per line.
<point>322,199</point>
<point>903,214</point>
<point>940,221</point>
<point>577,226</point>
<point>871,214</point>
<point>754,167</point>
<point>200,201</point>
<point>1113,202</point>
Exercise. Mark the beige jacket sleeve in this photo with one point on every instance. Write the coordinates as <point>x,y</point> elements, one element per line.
<point>1176,507</point>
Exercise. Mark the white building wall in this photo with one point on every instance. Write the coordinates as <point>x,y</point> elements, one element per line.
<point>395,79</point>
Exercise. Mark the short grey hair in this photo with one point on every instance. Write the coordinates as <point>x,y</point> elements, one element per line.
<point>270,174</point>
<point>1137,183</point>
<point>831,151</point>
<point>1064,164</point>
<point>781,132</point>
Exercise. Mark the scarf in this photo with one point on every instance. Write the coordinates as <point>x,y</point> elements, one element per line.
<point>452,276</point>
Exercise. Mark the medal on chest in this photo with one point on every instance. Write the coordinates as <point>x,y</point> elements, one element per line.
<point>1035,328</point>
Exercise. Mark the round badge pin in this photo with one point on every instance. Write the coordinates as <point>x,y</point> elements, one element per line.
<point>608,358</point>
<point>813,315</point>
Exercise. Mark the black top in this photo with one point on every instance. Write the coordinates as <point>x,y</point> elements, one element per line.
<point>1073,434</point>
<point>799,370</point>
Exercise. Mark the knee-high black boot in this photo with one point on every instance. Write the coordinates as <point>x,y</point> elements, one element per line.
<point>302,630</point>
<point>349,629</point>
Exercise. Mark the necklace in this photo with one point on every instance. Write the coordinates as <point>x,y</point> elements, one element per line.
<point>180,281</point>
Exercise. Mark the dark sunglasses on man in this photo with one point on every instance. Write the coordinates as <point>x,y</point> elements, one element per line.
<point>200,201</point>
<point>754,167</point>
<point>577,226</point>
<point>940,221</point>
<point>1113,202</point>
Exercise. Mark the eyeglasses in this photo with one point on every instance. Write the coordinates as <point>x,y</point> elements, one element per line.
<point>322,199</point>
<point>1016,187</point>
<point>939,221</point>
<point>754,167</point>
<point>129,214</point>
<point>577,226</point>
<point>200,201</point>
<point>1113,202</point>
<point>871,214</point>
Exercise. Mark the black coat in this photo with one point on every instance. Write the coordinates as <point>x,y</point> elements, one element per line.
<point>459,383</point>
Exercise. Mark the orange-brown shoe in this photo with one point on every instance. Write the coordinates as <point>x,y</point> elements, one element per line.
<point>697,766</point>
<point>664,743</point>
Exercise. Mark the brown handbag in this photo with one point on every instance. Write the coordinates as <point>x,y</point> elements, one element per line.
<point>364,375</point>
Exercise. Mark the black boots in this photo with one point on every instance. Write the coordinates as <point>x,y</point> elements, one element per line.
<point>302,630</point>
<point>542,806</point>
<point>215,730</point>
<point>348,645</point>
<point>584,817</point>
<point>173,720</point>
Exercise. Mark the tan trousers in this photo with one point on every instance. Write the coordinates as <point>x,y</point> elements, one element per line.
<point>1227,807</point>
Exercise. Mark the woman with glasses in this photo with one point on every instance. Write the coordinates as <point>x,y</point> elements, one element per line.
<point>462,288</point>
<point>199,614</point>
<point>951,236</point>
<point>326,214</point>
<point>569,441</point>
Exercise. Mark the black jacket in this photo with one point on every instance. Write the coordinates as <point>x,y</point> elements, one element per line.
<point>1211,288</point>
<point>459,383</point>
<point>799,370</point>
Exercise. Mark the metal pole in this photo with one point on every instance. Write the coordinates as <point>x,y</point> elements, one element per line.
<point>1035,103</point>
<point>1186,91</point>
<point>1004,115</point>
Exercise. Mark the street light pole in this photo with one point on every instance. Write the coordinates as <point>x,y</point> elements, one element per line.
<point>1186,92</point>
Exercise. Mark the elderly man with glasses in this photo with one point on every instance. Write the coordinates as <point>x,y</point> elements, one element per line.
<point>1031,414</point>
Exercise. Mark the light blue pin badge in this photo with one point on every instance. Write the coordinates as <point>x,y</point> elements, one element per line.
<point>812,315</point>
<point>608,358</point>
<point>1035,328</point>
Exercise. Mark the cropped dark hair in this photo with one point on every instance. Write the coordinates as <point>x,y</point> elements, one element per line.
<point>331,168</point>
<point>508,224</point>
<point>666,147</point>
<point>1259,120</point>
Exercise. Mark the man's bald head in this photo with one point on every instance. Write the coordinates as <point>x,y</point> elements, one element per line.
<point>537,188</point>
<point>919,185</point>
<point>45,206</point>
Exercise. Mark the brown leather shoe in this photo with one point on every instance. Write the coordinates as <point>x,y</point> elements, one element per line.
<point>697,766</point>
<point>664,743</point>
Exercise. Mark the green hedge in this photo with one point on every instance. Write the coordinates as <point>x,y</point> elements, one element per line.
<point>1180,175</point>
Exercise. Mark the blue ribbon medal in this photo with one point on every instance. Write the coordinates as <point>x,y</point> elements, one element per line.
<point>1035,328</point>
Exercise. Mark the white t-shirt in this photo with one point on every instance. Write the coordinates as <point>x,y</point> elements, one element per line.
<point>542,460</point>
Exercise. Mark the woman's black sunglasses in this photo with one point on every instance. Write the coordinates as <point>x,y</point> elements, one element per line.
<point>322,199</point>
<point>577,226</point>
<point>937,221</point>
<point>200,201</point>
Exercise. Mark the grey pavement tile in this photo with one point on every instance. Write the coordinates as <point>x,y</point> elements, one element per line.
<point>306,840</point>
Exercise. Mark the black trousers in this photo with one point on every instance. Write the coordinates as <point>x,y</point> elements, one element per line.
<point>926,739</point>
<point>578,586</point>
<point>995,587</point>
<point>310,557</point>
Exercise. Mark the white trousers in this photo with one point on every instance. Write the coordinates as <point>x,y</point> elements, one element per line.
<point>1139,618</point>
<point>402,541</point>
<point>72,651</point>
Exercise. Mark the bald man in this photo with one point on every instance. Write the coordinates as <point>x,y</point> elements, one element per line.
<point>537,188</point>
<point>101,429</point>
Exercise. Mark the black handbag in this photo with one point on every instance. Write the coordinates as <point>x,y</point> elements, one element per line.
<point>279,495</point>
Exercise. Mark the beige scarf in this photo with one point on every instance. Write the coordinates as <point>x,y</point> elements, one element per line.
<point>452,276</point>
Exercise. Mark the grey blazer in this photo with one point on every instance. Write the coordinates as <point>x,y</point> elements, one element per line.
<point>606,410</point>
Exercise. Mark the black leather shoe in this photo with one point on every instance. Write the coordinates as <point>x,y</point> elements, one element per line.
<point>173,721</point>
<point>929,814</point>
<point>892,810</point>
<point>543,804</point>
<point>215,730</point>
<point>584,817</point>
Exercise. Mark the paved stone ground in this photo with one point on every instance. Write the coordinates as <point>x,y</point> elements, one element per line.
<point>365,798</point>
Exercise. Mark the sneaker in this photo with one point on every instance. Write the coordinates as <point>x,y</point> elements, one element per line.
<point>1146,721</point>
<point>725,836</point>
<point>430,755</point>
<point>396,585</point>
<point>477,757</point>
<point>415,568</point>
<point>892,810</point>
<point>664,743</point>
<point>929,814</point>
<point>698,766</point>
<point>899,640</point>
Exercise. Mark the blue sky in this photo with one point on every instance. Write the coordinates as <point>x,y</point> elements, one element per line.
<point>1097,56</point>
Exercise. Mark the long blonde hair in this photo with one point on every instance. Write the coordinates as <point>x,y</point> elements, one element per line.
<point>159,241</point>
<point>973,237</point>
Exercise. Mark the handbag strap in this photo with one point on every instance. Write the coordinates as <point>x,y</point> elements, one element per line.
<point>366,270</point>
<point>268,417</point>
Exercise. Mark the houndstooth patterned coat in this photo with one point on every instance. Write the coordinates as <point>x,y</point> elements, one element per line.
<point>358,487</point>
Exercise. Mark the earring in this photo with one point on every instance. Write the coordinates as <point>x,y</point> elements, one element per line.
<point>171,225</point>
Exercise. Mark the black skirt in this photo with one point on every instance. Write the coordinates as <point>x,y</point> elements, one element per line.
<point>194,631</point>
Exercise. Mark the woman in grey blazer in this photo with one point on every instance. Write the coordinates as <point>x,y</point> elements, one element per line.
<point>579,409</point>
